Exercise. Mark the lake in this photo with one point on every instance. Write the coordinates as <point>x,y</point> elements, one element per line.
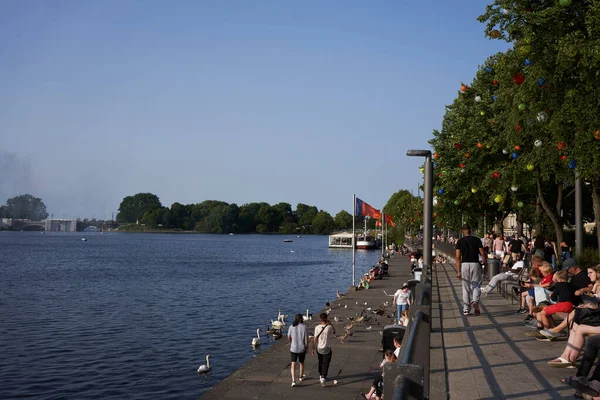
<point>126,315</point>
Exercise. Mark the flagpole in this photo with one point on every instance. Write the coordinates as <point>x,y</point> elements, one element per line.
<point>353,241</point>
<point>382,230</point>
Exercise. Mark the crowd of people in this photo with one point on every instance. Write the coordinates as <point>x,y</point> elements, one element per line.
<point>559,297</point>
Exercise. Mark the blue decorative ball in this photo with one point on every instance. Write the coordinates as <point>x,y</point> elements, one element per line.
<point>435,165</point>
<point>494,97</point>
<point>514,155</point>
<point>527,62</point>
<point>488,69</point>
<point>440,191</point>
<point>572,164</point>
<point>541,81</point>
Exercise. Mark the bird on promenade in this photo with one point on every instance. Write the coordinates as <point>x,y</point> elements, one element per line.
<point>348,327</point>
<point>345,305</point>
<point>307,317</point>
<point>386,293</point>
<point>205,368</point>
<point>256,341</point>
<point>327,303</point>
<point>369,328</point>
<point>339,295</point>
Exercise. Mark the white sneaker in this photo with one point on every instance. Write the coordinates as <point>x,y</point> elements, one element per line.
<point>293,383</point>
<point>301,378</point>
<point>322,381</point>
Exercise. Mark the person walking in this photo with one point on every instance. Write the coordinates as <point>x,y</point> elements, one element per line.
<point>322,346</point>
<point>401,300</point>
<point>468,268</point>
<point>298,338</point>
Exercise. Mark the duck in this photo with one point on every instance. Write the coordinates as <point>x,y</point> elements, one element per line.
<point>256,341</point>
<point>204,369</point>
<point>307,317</point>
<point>339,295</point>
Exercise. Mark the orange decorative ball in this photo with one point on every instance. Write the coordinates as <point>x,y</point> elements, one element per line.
<point>597,135</point>
<point>467,155</point>
<point>463,88</point>
<point>480,145</point>
<point>436,155</point>
<point>517,147</point>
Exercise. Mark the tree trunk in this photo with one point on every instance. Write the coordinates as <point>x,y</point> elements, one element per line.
<point>596,202</point>
<point>554,217</point>
<point>519,220</point>
<point>538,218</point>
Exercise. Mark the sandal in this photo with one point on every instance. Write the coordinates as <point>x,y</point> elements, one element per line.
<point>561,363</point>
<point>580,383</point>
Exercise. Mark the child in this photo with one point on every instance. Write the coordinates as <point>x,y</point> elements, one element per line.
<point>404,319</point>
<point>532,278</point>
<point>546,282</point>
<point>402,300</point>
<point>377,386</point>
<point>397,345</point>
<point>562,295</point>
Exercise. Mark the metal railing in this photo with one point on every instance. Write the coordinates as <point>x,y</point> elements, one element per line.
<point>408,378</point>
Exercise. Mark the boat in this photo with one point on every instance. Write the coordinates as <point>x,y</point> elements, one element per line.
<point>288,240</point>
<point>231,234</point>
<point>84,239</point>
<point>342,240</point>
<point>365,241</point>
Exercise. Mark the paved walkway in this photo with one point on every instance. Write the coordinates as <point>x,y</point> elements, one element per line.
<point>489,356</point>
<point>354,364</point>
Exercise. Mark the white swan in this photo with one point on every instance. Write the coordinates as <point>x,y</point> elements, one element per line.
<point>256,341</point>
<point>307,317</point>
<point>279,324</point>
<point>204,369</point>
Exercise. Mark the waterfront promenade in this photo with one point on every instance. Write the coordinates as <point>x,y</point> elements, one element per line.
<point>354,364</point>
<point>488,356</point>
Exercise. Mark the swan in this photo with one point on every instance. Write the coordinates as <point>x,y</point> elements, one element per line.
<point>279,324</point>
<point>339,295</point>
<point>307,317</point>
<point>204,369</point>
<point>256,341</point>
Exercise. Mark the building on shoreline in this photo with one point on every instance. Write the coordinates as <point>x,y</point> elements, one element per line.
<point>60,225</point>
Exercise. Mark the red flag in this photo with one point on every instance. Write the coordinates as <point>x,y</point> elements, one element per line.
<point>377,223</point>
<point>366,210</point>
<point>388,219</point>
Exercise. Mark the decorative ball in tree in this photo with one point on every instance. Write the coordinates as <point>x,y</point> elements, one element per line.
<point>504,151</point>
<point>463,88</point>
<point>514,188</point>
<point>456,202</point>
<point>527,62</point>
<point>440,175</point>
<point>520,204</point>
<point>541,81</point>
<point>435,165</point>
<point>518,128</point>
<point>518,147</point>
<point>488,146</point>
<point>480,145</point>
<point>572,164</point>
<point>474,190</point>
<point>462,165</point>
<point>436,155</point>
<point>482,113</point>
<point>462,171</point>
<point>496,175</point>
<point>506,11</point>
<point>542,116</point>
<point>467,155</point>
<point>422,169</point>
<point>518,78</point>
<point>561,145</point>
<point>524,50</point>
<point>478,99</point>
<point>597,135</point>
<point>458,146</point>
<point>530,167</point>
<point>514,155</point>
<point>495,82</point>
<point>494,97</point>
<point>440,191</point>
<point>522,107</point>
<point>563,157</point>
<point>488,69</point>
<point>498,198</point>
<point>537,143</point>
<point>564,3</point>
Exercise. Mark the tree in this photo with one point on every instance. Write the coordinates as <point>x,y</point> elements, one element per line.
<point>25,206</point>
<point>133,208</point>
<point>343,220</point>
<point>322,223</point>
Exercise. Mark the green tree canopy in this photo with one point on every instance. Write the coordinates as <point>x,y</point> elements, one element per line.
<point>133,208</point>
<point>343,220</point>
<point>25,206</point>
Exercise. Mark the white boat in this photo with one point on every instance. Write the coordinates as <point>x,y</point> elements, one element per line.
<point>288,240</point>
<point>366,242</point>
<point>342,240</point>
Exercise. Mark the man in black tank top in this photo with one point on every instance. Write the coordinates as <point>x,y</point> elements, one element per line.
<point>468,268</point>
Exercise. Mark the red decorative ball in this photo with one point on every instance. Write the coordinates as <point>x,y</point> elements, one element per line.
<point>458,146</point>
<point>496,175</point>
<point>518,78</point>
<point>462,165</point>
<point>561,145</point>
<point>518,128</point>
<point>495,82</point>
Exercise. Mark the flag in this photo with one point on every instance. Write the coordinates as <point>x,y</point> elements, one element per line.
<point>377,223</point>
<point>388,219</point>
<point>366,210</point>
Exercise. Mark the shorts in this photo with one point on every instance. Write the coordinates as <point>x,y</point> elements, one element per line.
<point>298,356</point>
<point>531,292</point>
<point>563,306</point>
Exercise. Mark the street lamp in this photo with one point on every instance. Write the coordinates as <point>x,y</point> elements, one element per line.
<point>427,203</point>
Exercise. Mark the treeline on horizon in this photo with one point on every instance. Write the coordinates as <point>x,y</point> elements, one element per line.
<point>213,216</point>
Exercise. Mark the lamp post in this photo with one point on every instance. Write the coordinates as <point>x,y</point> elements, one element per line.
<point>578,217</point>
<point>427,203</point>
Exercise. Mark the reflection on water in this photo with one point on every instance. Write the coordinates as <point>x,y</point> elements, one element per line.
<point>134,315</point>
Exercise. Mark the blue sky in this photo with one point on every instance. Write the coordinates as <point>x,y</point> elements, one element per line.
<point>238,101</point>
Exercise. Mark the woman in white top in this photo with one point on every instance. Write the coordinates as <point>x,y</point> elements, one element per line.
<point>402,300</point>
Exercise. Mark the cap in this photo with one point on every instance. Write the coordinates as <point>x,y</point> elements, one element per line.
<point>404,285</point>
<point>466,227</point>
<point>568,263</point>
